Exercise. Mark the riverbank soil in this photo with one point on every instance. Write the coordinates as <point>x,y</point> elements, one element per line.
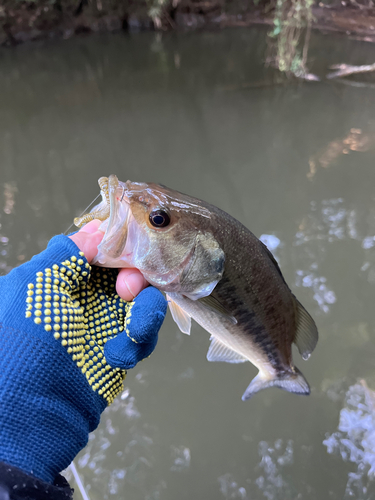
<point>24,20</point>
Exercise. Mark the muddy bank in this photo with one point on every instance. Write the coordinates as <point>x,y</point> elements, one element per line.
<point>22,21</point>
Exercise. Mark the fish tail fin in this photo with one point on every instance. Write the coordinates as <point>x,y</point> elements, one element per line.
<point>292,382</point>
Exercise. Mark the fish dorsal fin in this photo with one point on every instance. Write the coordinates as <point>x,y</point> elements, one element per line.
<point>220,352</point>
<point>182,319</point>
<point>306,335</point>
<point>215,305</point>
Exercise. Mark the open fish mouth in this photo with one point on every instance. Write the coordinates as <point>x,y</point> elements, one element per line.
<point>114,211</point>
<point>116,233</point>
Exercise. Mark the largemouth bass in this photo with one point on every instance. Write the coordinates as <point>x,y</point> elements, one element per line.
<point>214,270</point>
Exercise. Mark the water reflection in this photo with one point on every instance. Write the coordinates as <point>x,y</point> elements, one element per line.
<point>274,458</point>
<point>354,440</point>
<point>355,140</point>
<point>328,222</point>
<point>10,189</point>
<point>181,458</point>
<point>272,478</point>
<point>133,446</point>
<point>230,488</point>
<point>307,278</point>
<point>134,458</point>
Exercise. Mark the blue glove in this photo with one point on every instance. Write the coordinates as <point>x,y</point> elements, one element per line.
<point>66,339</point>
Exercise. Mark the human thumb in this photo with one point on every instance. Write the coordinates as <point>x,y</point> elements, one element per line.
<point>88,238</point>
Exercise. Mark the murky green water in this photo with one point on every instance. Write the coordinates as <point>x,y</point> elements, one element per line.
<point>295,163</point>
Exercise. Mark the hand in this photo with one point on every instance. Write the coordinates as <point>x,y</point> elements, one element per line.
<point>130,282</point>
<point>66,339</point>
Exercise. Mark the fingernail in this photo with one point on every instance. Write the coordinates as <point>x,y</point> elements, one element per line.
<point>126,283</point>
<point>132,283</point>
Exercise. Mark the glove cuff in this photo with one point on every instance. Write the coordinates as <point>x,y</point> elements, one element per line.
<point>13,479</point>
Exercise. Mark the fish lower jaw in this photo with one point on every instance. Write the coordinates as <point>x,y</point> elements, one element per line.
<point>101,259</point>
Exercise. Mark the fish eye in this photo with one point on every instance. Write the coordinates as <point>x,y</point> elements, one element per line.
<point>159,218</point>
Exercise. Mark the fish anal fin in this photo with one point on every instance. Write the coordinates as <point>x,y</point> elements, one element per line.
<point>182,319</point>
<point>216,306</point>
<point>306,336</point>
<point>220,352</point>
<point>293,382</point>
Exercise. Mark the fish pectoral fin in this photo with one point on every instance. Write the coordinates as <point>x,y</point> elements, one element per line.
<point>215,305</point>
<point>220,352</point>
<point>182,319</point>
<point>293,382</point>
<point>306,336</point>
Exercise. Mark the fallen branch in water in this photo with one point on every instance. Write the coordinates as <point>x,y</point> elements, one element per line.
<point>347,69</point>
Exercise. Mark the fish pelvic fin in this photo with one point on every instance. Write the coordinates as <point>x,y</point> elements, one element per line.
<point>306,336</point>
<point>182,318</point>
<point>293,382</point>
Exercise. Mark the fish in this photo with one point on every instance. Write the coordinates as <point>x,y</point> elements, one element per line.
<point>213,270</point>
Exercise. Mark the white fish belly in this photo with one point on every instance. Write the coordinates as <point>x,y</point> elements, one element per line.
<point>226,332</point>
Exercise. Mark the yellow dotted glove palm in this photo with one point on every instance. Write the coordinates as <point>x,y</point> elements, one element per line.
<point>80,305</point>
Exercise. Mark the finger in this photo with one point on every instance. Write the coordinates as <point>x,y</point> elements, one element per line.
<point>91,227</point>
<point>146,316</point>
<point>122,352</point>
<point>141,335</point>
<point>129,283</point>
<point>88,238</point>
